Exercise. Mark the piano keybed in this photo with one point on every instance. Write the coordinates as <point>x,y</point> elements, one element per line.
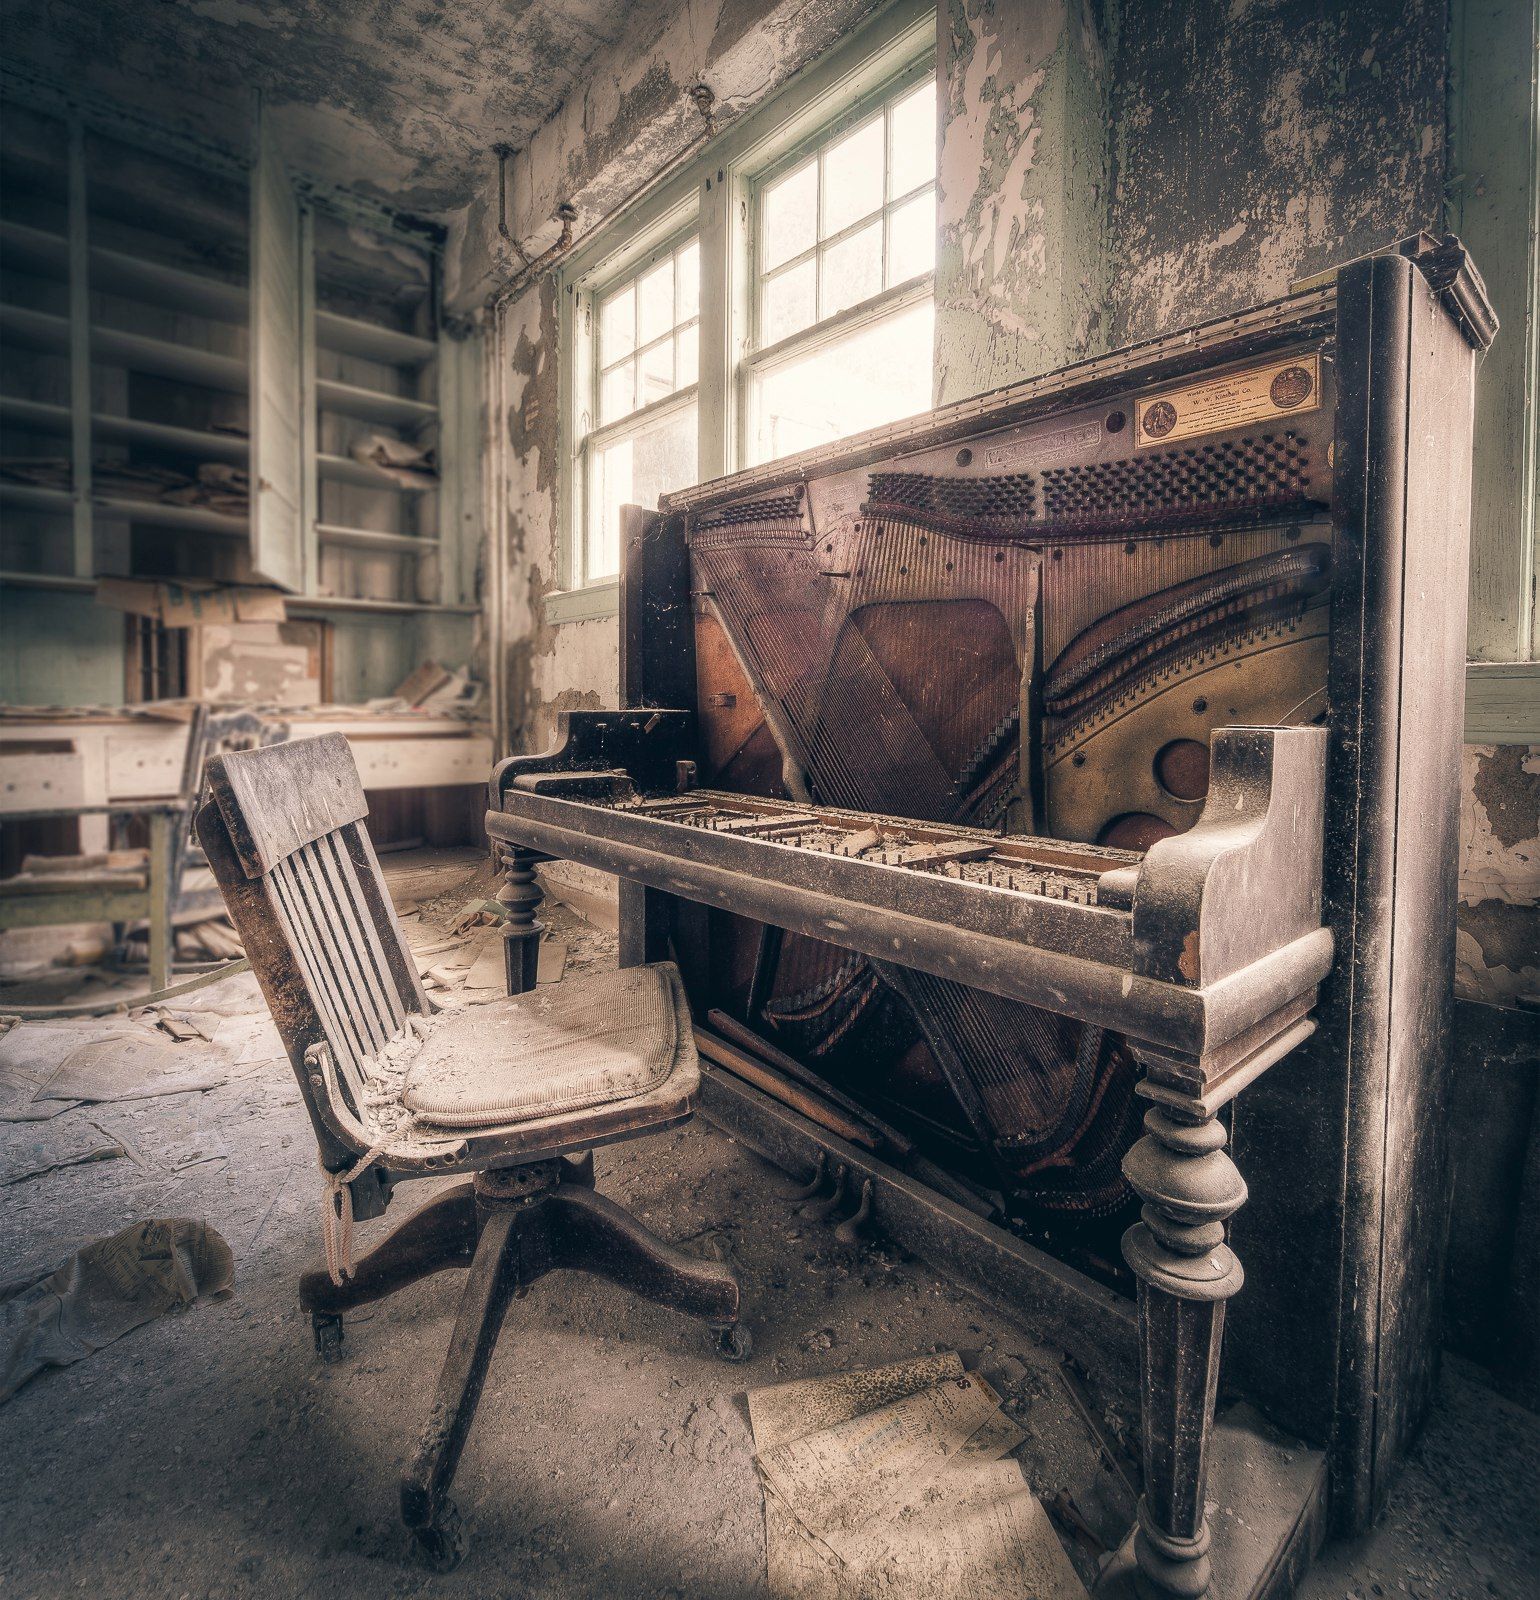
<point>967,855</point>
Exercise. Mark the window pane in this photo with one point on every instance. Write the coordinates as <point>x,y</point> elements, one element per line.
<point>634,470</point>
<point>852,177</point>
<point>790,303</point>
<point>617,392</point>
<point>913,158</point>
<point>877,375</point>
<point>687,357</point>
<point>789,217</point>
<point>655,301</point>
<point>912,237</point>
<point>852,269</point>
<point>617,325</point>
<point>687,282</point>
<point>657,371</point>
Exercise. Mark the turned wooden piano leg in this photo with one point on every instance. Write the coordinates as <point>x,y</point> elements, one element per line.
<point>1186,1272</point>
<point>520,899</point>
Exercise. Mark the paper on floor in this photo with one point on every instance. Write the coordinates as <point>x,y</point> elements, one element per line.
<point>129,1064</point>
<point>103,1290</point>
<point>891,1484</point>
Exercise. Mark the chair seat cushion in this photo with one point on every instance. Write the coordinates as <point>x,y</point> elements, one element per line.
<point>584,1042</point>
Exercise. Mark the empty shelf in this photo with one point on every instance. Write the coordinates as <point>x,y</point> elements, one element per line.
<point>37,415</point>
<point>31,497</point>
<point>163,436</point>
<point>173,287</point>
<point>157,514</point>
<point>371,404</point>
<point>163,359</point>
<point>46,254</point>
<point>355,337</point>
<point>38,330</point>
<point>369,539</point>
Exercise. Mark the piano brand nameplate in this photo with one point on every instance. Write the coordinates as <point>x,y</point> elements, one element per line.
<point>1280,388</point>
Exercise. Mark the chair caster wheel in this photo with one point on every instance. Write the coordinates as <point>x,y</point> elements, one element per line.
<point>328,1336</point>
<point>440,1547</point>
<point>735,1343</point>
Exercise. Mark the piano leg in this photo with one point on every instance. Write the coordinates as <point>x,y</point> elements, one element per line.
<point>1186,1272</point>
<point>520,898</point>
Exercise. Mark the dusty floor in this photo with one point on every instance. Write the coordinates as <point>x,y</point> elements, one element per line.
<point>210,1455</point>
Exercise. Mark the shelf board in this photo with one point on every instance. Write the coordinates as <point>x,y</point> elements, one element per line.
<point>45,254</point>
<point>38,330</point>
<point>353,336</point>
<point>318,602</point>
<point>295,602</point>
<point>32,497</point>
<point>163,436</point>
<point>38,415</point>
<point>154,513</point>
<point>34,250</point>
<point>343,469</point>
<point>331,533</point>
<point>371,404</point>
<point>163,359</point>
<point>175,288</point>
<point>46,580</point>
<point>42,330</point>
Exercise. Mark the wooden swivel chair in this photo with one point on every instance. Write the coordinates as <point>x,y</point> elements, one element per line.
<point>506,1093</point>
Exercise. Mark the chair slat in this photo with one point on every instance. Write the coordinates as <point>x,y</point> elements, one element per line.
<point>341,1032</point>
<point>363,935</point>
<point>323,919</point>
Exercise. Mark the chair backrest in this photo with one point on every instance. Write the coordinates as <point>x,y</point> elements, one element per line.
<point>284,836</point>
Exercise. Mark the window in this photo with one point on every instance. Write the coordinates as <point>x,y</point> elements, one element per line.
<point>845,256</point>
<point>645,344</point>
<point>774,294</point>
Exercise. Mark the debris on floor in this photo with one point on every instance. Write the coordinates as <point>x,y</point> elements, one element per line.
<point>900,1482</point>
<point>104,1290</point>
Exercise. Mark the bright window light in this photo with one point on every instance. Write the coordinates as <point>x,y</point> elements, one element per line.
<point>646,364</point>
<point>845,258</point>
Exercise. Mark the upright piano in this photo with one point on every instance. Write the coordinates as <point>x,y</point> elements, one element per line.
<point>1044,772</point>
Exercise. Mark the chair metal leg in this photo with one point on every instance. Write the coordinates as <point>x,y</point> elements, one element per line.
<point>441,1235</point>
<point>494,1279</point>
<point>590,1233</point>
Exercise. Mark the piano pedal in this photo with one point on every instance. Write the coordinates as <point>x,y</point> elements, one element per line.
<point>849,1231</point>
<point>825,1208</point>
<point>815,1183</point>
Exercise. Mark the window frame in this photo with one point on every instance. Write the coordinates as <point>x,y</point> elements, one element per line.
<point>676,232</point>
<point>711,196</point>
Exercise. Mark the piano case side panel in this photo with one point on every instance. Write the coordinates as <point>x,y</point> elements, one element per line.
<point>1338,1330</point>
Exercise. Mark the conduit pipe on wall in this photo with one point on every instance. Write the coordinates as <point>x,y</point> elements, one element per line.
<point>700,95</point>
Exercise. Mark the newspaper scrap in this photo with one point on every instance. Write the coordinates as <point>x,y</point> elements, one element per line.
<point>898,1482</point>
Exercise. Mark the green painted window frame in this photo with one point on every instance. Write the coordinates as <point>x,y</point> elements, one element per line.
<point>711,195</point>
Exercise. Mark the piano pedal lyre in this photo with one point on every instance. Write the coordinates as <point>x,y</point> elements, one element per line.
<point>815,1183</point>
<point>849,1231</point>
<point>821,1210</point>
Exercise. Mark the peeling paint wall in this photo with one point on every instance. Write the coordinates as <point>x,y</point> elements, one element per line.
<point>632,117</point>
<point>628,123</point>
<point>1021,194</point>
<point>1497,937</point>
<point>1259,141</point>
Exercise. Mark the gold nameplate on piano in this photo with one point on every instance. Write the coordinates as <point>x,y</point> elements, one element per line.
<point>1284,388</point>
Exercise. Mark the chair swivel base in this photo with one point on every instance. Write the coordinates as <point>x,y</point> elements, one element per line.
<point>510,1226</point>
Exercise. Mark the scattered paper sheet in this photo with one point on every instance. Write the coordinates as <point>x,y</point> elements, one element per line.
<point>896,1484</point>
<point>132,1065</point>
<point>29,1150</point>
<point>103,1290</point>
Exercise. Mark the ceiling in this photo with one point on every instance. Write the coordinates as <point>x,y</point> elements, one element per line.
<point>400,100</point>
